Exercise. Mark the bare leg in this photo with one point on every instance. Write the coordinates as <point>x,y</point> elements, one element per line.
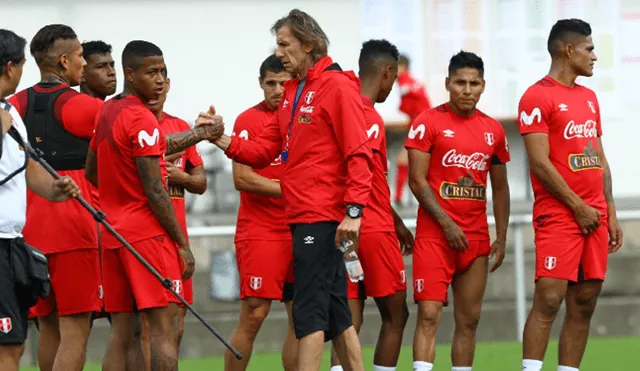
<point>253,312</point>
<point>581,303</point>
<point>348,350</point>
<point>310,349</point>
<point>48,341</point>
<point>547,299</point>
<point>424,338</point>
<point>394,312</point>
<point>122,327</point>
<point>357,308</point>
<point>10,357</point>
<point>74,336</point>
<point>163,326</point>
<point>135,355</point>
<point>290,347</point>
<point>468,290</point>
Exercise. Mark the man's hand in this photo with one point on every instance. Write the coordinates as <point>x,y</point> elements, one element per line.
<point>176,175</point>
<point>497,251</point>
<point>405,237</point>
<point>189,262</point>
<point>348,230</point>
<point>456,238</point>
<point>65,188</point>
<point>615,234</point>
<point>7,120</point>
<point>587,217</point>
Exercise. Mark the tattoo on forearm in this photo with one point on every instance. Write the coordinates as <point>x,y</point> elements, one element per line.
<point>427,200</point>
<point>159,200</point>
<point>608,186</point>
<point>180,141</point>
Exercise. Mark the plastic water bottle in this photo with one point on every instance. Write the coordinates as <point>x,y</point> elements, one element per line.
<point>351,262</point>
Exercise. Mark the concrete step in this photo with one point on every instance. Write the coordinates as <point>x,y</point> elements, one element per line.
<point>613,317</point>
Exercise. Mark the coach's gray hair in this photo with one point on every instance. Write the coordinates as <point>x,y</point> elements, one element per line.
<point>306,30</point>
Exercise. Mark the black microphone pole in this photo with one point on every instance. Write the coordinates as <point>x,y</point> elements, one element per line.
<point>99,216</point>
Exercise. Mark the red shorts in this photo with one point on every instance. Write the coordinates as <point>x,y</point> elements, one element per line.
<point>435,264</point>
<point>187,290</point>
<point>560,254</point>
<point>128,285</point>
<point>383,266</point>
<point>264,267</point>
<point>75,284</point>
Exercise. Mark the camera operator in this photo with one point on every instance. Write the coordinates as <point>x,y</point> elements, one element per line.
<point>13,198</point>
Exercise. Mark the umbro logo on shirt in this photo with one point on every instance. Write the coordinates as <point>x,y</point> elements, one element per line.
<point>448,133</point>
<point>308,240</point>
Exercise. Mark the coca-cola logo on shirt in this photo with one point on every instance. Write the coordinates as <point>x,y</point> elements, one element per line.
<point>587,130</point>
<point>476,161</point>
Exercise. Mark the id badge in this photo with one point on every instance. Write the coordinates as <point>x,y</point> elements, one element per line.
<point>284,155</point>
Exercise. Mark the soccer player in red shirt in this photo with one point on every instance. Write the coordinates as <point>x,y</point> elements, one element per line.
<point>128,151</point>
<point>452,149</point>
<point>186,172</point>
<point>319,132</point>
<point>60,122</point>
<point>413,101</point>
<point>98,81</point>
<point>574,213</point>
<point>263,238</point>
<point>379,250</point>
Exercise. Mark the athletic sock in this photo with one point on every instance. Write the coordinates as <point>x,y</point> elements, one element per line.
<point>531,365</point>
<point>567,368</point>
<point>383,368</point>
<point>454,368</point>
<point>336,368</point>
<point>422,366</point>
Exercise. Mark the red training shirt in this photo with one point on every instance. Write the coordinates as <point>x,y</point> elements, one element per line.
<point>260,217</point>
<point>62,226</point>
<point>126,129</point>
<point>378,217</point>
<point>414,99</point>
<point>571,118</point>
<point>328,137</point>
<point>190,159</point>
<point>462,150</point>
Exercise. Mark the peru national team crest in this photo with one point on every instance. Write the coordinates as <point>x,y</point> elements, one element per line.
<point>177,286</point>
<point>419,285</point>
<point>403,276</point>
<point>489,138</point>
<point>309,97</point>
<point>255,283</point>
<point>550,262</point>
<point>592,107</point>
<point>5,325</point>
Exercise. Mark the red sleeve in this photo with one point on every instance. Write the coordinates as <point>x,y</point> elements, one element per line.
<point>501,149</point>
<point>258,152</point>
<point>193,157</point>
<point>143,132</point>
<point>19,102</point>
<point>245,126</point>
<point>375,129</point>
<point>347,118</point>
<point>77,113</point>
<point>535,111</point>
<point>422,133</point>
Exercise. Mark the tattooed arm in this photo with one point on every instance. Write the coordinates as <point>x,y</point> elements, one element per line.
<point>615,232</point>
<point>181,141</point>
<point>151,177</point>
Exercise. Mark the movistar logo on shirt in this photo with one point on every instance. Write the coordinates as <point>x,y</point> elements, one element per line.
<point>149,140</point>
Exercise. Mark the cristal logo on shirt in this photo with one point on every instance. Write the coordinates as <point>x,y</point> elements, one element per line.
<point>587,130</point>
<point>464,189</point>
<point>476,161</point>
<point>587,160</point>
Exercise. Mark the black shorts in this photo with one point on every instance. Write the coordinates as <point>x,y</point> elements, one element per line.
<point>320,289</point>
<point>13,318</point>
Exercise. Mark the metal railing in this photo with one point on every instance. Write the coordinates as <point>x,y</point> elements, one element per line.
<point>516,224</point>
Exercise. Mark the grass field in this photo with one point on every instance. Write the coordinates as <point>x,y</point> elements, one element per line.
<point>612,354</point>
